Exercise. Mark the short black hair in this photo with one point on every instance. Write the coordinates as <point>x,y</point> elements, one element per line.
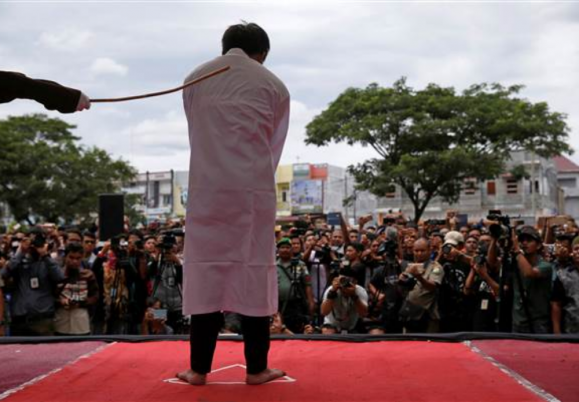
<point>136,232</point>
<point>249,37</point>
<point>74,247</point>
<point>75,231</point>
<point>88,233</point>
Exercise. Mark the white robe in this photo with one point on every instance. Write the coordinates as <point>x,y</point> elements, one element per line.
<point>238,123</point>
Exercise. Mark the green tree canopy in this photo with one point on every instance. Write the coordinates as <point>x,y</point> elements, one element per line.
<point>429,141</point>
<point>46,175</point>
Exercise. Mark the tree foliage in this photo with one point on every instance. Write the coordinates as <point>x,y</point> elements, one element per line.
<point>429,141</point>
<point>46,175</point>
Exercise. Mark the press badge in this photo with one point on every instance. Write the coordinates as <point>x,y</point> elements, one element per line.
<point>484,304</point>
<point>34,283</point>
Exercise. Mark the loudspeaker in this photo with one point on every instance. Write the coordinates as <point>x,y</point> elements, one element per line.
<point>111,215</point>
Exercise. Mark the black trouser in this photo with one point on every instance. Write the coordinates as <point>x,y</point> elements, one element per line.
<point>205,329</point>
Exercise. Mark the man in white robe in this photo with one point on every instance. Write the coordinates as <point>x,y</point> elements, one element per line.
<point>238,123</point>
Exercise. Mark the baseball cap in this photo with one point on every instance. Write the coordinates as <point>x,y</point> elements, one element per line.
<point>284,241</point>
<point>453,238</point>
<point>529,231</point>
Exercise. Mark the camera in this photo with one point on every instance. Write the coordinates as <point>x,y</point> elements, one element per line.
<point>481,255</point>
<point>169,239</point>
<point>446,249</point>
<point>38,239</point>
<point>388,248</point>
<point>501,228</point>
<point>323,253</point>
<point>436,222</point>
<point>408,282</point>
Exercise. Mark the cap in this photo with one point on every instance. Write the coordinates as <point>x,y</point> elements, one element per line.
<point>529,231</point>
<point>454,238</point>
<point>284,241</point>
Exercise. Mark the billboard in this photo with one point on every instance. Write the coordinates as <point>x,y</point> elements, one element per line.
<point>307,196</point>
<point>301,171</point>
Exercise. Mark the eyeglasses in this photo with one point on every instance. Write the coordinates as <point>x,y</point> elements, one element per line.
<point>89,241</point>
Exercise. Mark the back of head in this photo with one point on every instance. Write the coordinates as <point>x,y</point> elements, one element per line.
<point>249,37</point>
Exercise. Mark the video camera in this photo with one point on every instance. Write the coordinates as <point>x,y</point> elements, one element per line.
<point>502,227</point>
<point>168,239</point>
<point>389,248</point>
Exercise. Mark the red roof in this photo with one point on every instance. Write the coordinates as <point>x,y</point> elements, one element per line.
<point>565,164</point>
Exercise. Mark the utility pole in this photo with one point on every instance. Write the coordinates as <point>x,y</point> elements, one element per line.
<point>533,200</point>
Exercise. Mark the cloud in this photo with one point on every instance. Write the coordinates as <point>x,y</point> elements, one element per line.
<point>106,66</point>
<point>160,137</point>
<point>68,40</point>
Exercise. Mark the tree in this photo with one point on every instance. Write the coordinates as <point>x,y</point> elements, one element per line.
<point>430,141</point>
<point>46,175</point>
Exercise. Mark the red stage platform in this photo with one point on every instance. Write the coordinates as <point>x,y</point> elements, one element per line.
<point>317,371</point>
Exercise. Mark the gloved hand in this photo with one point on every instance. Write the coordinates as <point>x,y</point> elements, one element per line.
<point>83,103</point>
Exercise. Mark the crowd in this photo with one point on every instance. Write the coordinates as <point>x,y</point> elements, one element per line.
<point>495,275</point>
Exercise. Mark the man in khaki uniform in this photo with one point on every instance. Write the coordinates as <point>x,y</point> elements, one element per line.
<point>420,308</point>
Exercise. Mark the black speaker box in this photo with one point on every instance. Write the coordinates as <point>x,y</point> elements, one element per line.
<point>111,215</point>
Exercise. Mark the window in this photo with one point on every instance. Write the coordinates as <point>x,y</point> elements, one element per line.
<point>512,186</point>
<point>469,187</point>
<point>167,199</point>
<point>536,190</point>
<point>491,188</point>
<point>284,196</point>
<point>568,182</point>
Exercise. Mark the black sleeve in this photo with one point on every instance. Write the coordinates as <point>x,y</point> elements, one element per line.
<point>51,94</point>
<point>558,294</point>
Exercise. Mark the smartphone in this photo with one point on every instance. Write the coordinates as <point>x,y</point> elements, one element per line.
<point>160,314</point>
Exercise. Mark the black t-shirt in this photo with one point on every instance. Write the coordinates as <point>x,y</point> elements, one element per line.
<point>451,301</point>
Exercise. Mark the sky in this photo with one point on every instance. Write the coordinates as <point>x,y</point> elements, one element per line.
<point>319,49</point>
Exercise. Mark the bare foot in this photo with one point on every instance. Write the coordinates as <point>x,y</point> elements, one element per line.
<point>192,377</point>
<point>263,377</point>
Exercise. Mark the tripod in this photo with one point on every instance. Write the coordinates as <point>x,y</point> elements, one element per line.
<point>167,272</point>
<point>296,294</point>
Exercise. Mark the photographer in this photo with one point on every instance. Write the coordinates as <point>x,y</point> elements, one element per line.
<point>116,276</point>
<point>296,299</point>
<point>138,287</point>
<point>385,297</point>
<point>344,304</point>
<point>455,308</point>
<point>353,260</point>
<point>318,257</point>
<point>419,311</point>
<point>35,276</point>
<point>76,293</point>
<point>167,275</point>
<point>3,262</point>
<point>532,284</point>
<point>565,298</point>
<point>482,285</point>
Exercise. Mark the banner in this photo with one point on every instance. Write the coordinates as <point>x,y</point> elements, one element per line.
<point>307,196</point>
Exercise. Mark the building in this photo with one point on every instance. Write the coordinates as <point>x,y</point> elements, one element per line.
<point>305,188</point>
<point>568,180</point>
<point>162,194</point>
<point>514,196</point>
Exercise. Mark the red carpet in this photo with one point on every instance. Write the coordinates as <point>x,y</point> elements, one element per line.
<point>22,363</point>
<point>319,371</point>
<point>552,366</point>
